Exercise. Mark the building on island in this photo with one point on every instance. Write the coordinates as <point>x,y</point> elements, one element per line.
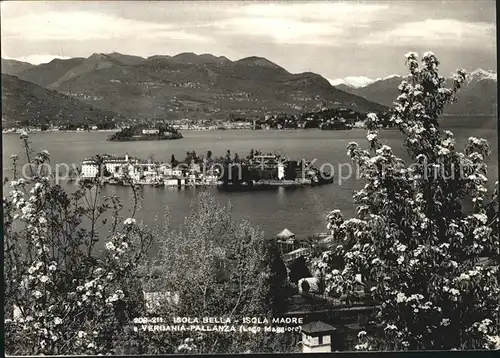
<point>169,171</point>
<point>151,131</point>
<point>115,166</point>
<point>89,169</point>
<point>317,337</point>
<point>281,171</point>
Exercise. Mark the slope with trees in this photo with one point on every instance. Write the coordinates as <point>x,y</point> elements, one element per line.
<point>27,104</point>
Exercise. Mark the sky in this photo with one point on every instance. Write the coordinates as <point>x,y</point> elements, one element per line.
<point>360,40</point>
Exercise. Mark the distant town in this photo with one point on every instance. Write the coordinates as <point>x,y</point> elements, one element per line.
<point>326,119</point>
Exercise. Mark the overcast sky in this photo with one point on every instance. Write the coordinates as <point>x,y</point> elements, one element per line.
<point>334,39</point>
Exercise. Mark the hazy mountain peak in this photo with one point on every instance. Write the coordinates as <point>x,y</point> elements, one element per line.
<point>202,59</point>
<point>125,59</point>
<point>352,81</point>
<point>186,54</point>
<point>13,67</point>
<point>258,61</point>
<point>97,56</point>
<point>480,74</point>
<point>388,77</point>
<point>359,81</point>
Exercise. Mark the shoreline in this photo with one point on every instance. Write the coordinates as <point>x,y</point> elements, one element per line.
<point>189,130</point>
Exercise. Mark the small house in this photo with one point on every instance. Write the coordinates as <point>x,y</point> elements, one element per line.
<point>317,337</point>
<point>309,284</point>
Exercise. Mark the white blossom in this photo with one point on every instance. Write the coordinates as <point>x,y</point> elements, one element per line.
<point>443,151</point>
<point>400,297</point>
<point>445,322</point>
<point>129,222</point>
<point>401,247</point>
<point>411,54</point>
<point>361,347</point>
<point>53,267</point>
<point>481,217</point>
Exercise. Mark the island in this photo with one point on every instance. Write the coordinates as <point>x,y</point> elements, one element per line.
<point>255,171</point>
<point>136,133</point>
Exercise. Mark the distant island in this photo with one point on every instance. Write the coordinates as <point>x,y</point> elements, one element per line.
<point>137,133</point>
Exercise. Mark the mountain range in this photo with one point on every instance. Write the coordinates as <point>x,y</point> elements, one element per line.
<point>478,96</point>
<point>186,85</point>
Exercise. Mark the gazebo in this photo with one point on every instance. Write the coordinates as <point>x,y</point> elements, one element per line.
<point>286,241</point>
<point>286,235</point>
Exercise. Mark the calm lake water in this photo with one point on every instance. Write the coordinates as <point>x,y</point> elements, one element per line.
<point>300,210</point>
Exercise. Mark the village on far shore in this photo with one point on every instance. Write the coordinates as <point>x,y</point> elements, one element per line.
<point>324,118</point>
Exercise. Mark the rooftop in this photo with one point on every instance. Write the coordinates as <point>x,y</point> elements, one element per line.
<point>285,234</point>
<point>317,326</point>
<point>298,251</point>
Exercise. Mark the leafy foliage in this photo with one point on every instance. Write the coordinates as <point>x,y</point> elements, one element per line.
<point>299,269</point>
<point>219,267</point>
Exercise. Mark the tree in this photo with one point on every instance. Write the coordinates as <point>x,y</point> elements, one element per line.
<point>414,235</point>
<point>299,269</point>
<point>61,296</point>
<point>103,170</point>
<point>227,158</point>
<point>276,278</point>
<point>173,162</point>
<point>291,170</point>
<point>218,267</point>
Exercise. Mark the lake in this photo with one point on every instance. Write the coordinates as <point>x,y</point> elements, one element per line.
<point>301,210</point>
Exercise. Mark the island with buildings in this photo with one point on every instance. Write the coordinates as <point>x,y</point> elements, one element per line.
<point>232,173</point>
<point>137,133</point>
